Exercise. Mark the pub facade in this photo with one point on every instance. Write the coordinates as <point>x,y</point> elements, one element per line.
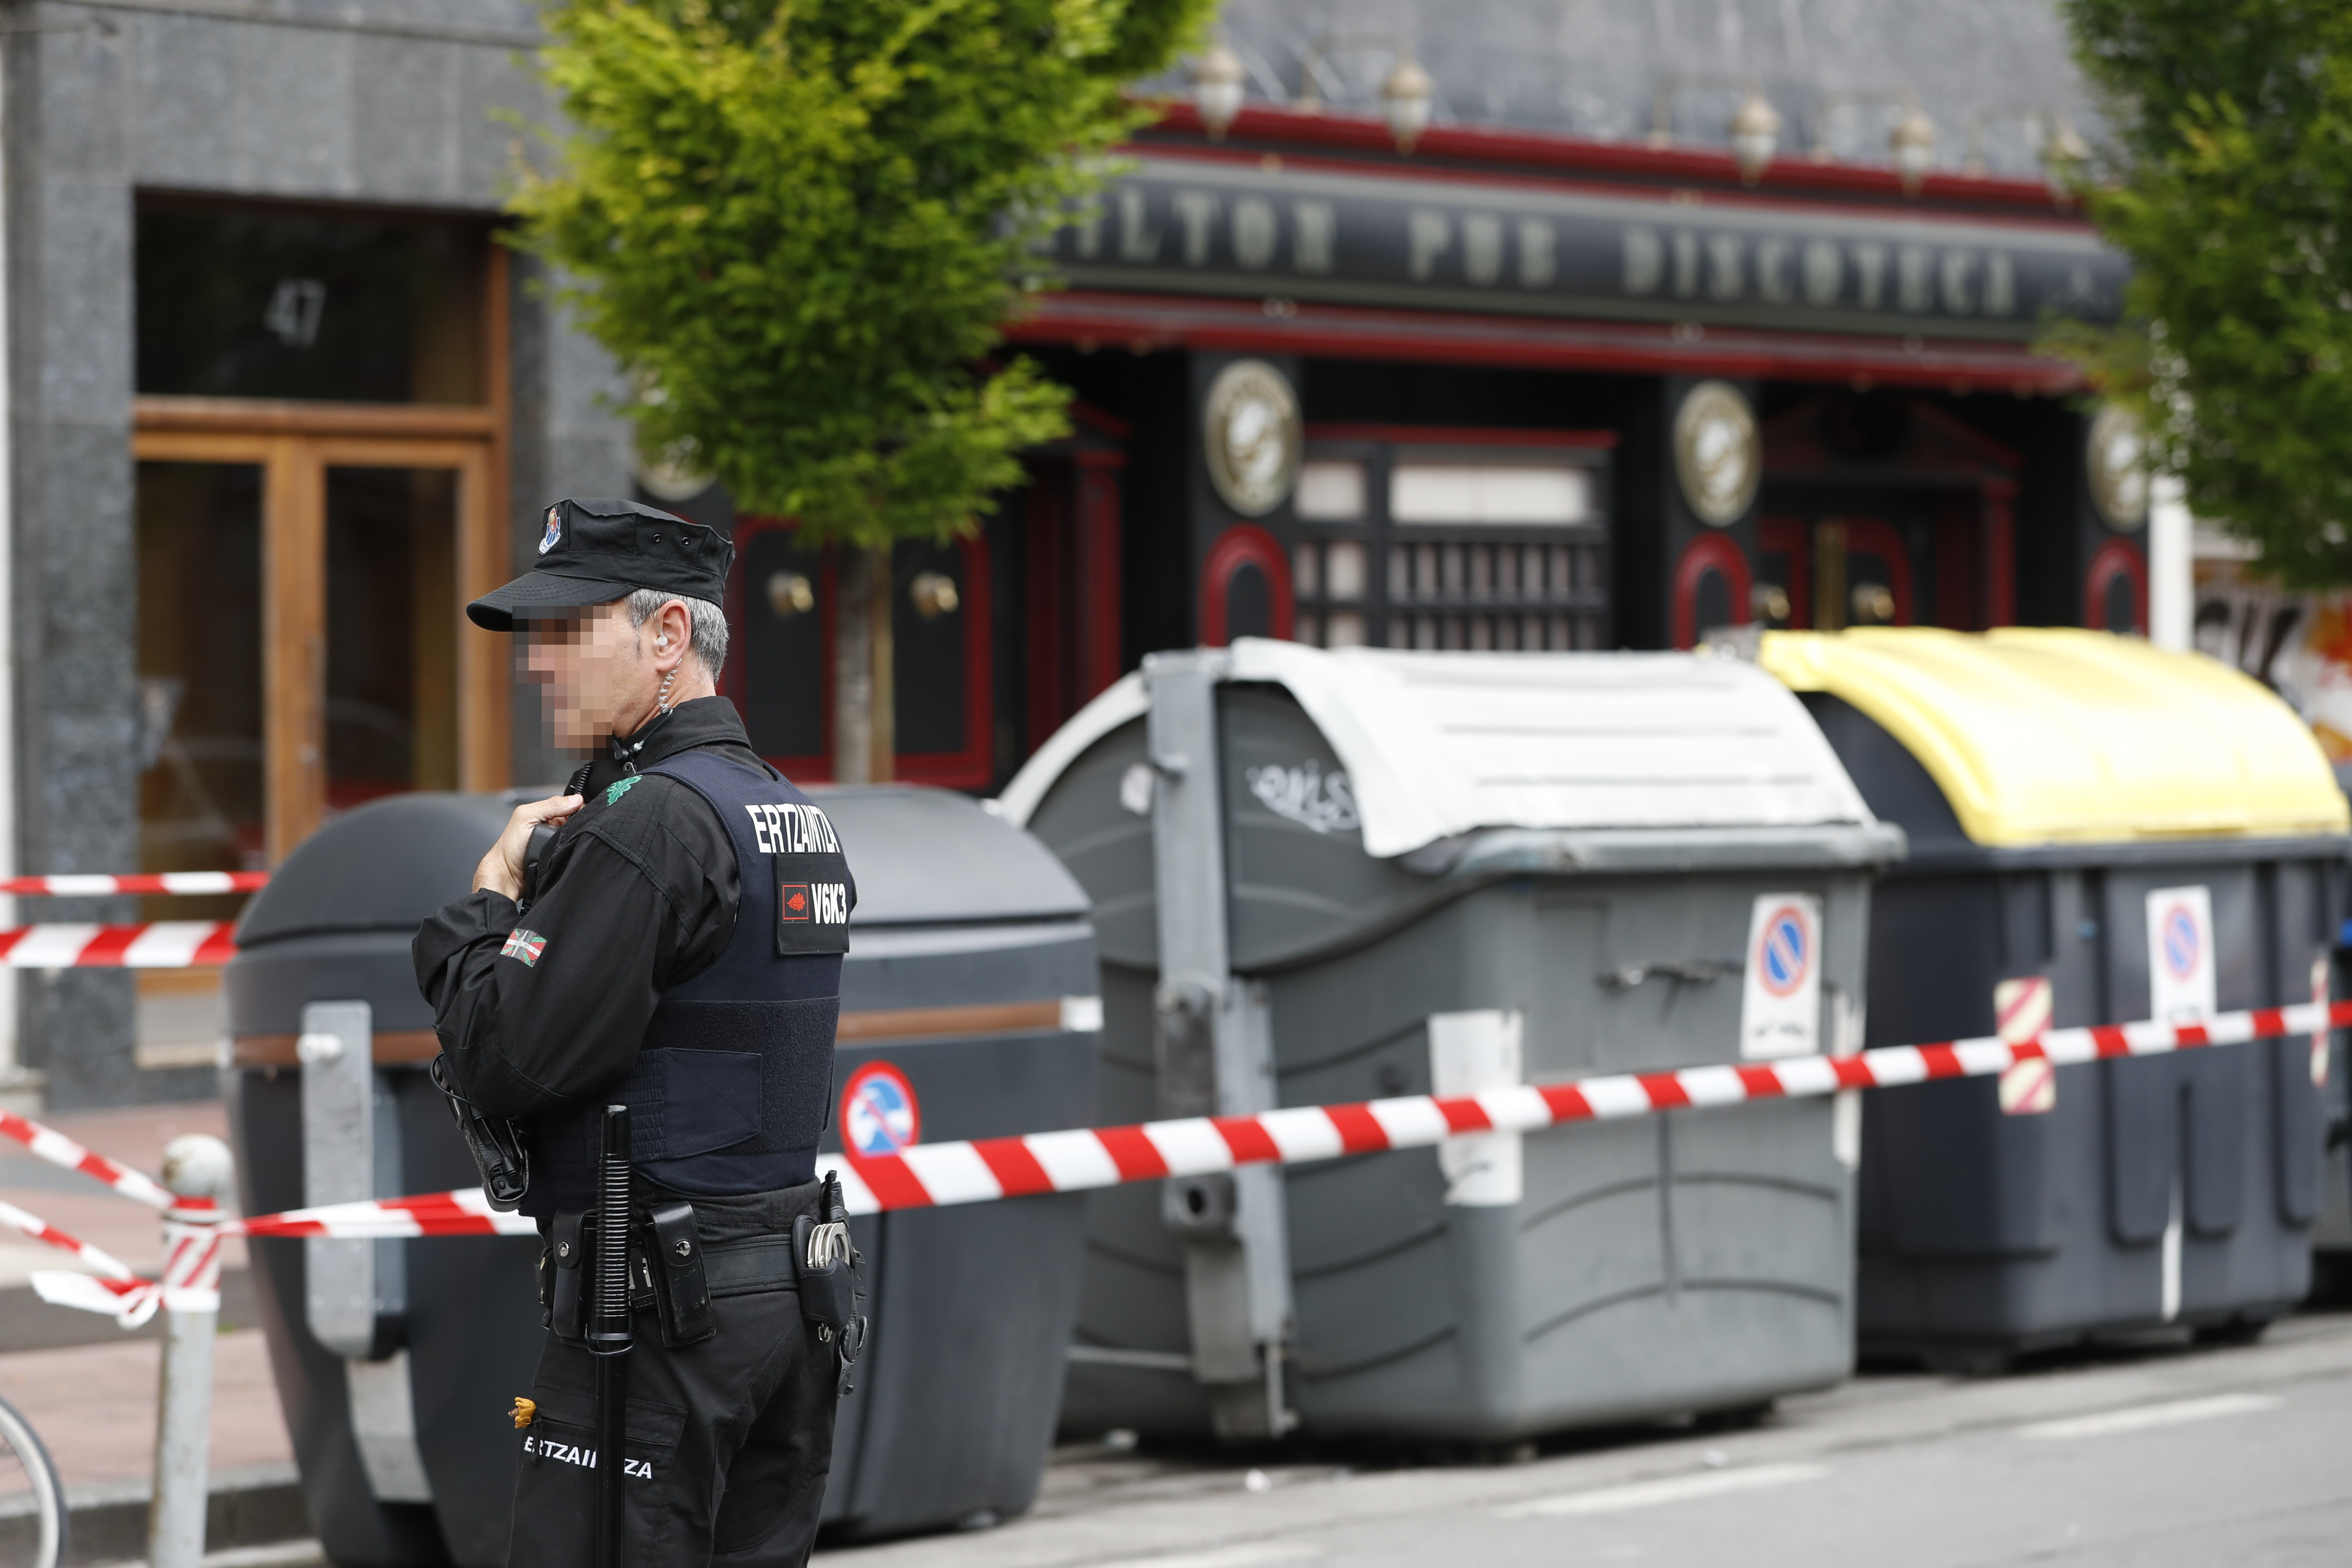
<point>1414,334</point>
<point>1488,390</point>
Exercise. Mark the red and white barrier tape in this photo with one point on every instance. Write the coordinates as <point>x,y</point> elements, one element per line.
<point>151,944</point>
<point>192,1229</point>
<point>39,1229</point>
<point>191,1282</point>
<point>936,1174</point>
<point>191,1239</point>
<point>76,885</point>
<point>940,1173</point>
<point>48,1143</point>
<point>465,1212</point>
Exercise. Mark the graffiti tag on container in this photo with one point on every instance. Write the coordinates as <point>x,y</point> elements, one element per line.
<point>1305,796</point>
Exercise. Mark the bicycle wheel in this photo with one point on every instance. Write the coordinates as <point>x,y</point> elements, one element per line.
<point>32,1500</point>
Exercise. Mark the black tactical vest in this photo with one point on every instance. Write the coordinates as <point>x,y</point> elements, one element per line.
<point>733,1084</point>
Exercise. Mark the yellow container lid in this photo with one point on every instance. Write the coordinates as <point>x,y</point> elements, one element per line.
<point>2055,735</point>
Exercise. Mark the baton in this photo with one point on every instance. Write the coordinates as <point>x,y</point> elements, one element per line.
<point>609,1337</point>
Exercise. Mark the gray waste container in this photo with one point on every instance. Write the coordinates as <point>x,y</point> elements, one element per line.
<point>969,1010</point>
<point>970,992</point>
<point>1334,876</point>
<point>2101,832</point>
<point>2331,1235</point>
<point>393,1360</point>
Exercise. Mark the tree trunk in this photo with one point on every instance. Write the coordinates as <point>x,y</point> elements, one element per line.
<point>882,639</point>
<point>865,714</point>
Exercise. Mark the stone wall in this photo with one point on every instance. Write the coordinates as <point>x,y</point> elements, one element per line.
<point>387,104</point>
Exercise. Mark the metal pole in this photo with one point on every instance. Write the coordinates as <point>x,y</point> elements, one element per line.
<point>198,1168</point>
<point>12,1063</point>
<point>609,1340</point>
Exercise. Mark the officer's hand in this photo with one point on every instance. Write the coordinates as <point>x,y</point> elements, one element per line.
<point>501,869</point>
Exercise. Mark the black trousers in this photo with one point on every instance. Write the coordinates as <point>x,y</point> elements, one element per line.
<point>730,1440</point>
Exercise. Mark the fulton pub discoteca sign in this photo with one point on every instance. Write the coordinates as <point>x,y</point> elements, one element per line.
<point>1189,225</point>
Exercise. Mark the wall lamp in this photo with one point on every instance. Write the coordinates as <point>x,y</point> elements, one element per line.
<point>1407,95</point>
<point>1754,124</point>
<point>1217,86</point>
<point>2052,131</point>
<point>1911,142</point>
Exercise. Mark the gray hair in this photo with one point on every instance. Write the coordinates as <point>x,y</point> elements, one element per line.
<point>707,639</point>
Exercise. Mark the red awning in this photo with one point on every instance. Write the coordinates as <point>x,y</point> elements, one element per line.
<point>1140,323</point>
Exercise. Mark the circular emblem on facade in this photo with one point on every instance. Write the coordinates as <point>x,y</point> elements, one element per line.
<point>674,473</point>
<point>2181,942</point>
<point>1717,456</point>
<point>1787,953</point>
<point>1249,424</point>
<point>879,1113</point>
<point>2116,457</point>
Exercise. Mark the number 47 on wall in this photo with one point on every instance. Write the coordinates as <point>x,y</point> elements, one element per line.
<point>294,312</point>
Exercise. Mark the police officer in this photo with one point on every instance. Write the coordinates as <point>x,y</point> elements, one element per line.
<point>679,952</point>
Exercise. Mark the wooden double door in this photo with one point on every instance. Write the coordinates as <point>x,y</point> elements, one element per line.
<point>303,571</point>
<point>1928,558</point>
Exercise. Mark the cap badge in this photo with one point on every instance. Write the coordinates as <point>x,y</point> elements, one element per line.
<point>554,530</point>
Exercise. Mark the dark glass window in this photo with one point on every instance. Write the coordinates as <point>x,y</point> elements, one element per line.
<point>302,305</point>
<point>200,737</point>
<point>392,640</point>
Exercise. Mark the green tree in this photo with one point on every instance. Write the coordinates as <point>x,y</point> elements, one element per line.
<point>799,226</point>
<point>2229,182</point>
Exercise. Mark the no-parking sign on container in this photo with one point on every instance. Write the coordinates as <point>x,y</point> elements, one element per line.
<point>880,1112</point>
<point>1780,1012</point>
<point>2180,954</point>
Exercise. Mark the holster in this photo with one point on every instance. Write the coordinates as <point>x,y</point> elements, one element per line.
<point>828,1292</point>
<point>827,1274</point>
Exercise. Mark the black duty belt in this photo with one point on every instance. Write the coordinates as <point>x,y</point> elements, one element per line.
<point>733,1268</point>
<point>670,1270</point>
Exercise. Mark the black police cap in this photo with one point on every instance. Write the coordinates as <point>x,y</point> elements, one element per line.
<point>595,552</point>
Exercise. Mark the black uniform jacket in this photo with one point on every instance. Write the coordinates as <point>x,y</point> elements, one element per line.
<point>639,891</point>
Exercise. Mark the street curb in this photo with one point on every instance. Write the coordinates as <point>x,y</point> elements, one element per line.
<point>256,1505</point>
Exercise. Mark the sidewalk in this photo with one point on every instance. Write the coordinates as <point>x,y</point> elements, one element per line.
<point>88,1388</point>
<point>94,1406</point>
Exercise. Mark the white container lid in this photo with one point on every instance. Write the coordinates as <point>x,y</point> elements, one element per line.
<point>1440,745</point>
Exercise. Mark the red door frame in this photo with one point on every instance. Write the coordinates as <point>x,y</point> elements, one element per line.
<point>1245,544</point>
<point>1099,520</point>
<point>1708,553</point>
<point>2117,557</point>
<point>1070,546</point>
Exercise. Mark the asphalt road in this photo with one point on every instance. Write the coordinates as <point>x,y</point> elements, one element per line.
<point>2156,1457</point>
<point>2151,1457</point>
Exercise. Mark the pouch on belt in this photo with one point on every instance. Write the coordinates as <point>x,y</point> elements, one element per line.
<point>681,1289</point>
<point>827,1267</point>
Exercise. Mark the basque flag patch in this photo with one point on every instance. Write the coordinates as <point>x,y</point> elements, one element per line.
<point>526,945</point>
